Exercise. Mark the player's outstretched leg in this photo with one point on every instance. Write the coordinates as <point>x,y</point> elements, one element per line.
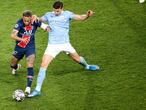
<point>83,62</point>
<point>87,66</point>
<point>92,67</point>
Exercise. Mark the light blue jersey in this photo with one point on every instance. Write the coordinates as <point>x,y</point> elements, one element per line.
<point>59,25</point>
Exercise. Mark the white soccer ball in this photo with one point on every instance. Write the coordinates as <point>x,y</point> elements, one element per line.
<point>18,95</point>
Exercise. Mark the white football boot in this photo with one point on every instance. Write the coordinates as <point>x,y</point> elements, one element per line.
<point>27,90</point>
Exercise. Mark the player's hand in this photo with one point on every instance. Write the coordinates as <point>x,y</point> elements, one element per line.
<point>25,40</point>
<point>34,18</point>
<point>89,13</point>
<point>48,29</point>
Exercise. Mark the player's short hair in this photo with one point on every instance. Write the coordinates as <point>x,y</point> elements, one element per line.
<point>27,13</point>
<point>58,4</point>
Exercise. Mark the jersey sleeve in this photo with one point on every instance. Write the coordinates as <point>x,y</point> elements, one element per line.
<point>38,23</point>
<point>45,17</point>
<point>70,14</point>
<point>17,26</point>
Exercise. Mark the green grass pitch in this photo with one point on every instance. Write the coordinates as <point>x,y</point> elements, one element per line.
<point>114,38</point>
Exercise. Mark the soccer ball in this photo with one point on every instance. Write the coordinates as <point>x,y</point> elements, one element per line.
<point>18,95</point>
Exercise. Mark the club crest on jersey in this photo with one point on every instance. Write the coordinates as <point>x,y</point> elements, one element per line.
<point>16,25</point>
<point>14,52</point>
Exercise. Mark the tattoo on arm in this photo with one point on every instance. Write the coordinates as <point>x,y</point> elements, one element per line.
<point>14,32</point>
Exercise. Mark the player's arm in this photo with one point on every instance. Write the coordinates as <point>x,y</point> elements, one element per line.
<point>83,17</point>
<point>36,18</point>
<point>15,37</point>
<point>45,27</point>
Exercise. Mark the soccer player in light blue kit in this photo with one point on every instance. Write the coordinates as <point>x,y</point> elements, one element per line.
<point>58,21</point>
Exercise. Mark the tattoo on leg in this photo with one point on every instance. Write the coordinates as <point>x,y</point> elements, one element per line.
<point>30,59</point>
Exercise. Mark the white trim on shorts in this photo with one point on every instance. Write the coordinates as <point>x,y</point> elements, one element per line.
<point>55,49</point>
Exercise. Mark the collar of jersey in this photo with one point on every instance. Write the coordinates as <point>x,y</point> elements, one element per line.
<point>60,14</point>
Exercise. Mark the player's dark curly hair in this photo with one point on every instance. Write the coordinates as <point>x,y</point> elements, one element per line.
<point>27,13</point>
<point>58,4</point>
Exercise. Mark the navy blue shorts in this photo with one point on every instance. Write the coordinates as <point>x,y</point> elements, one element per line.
<point>20,52</point>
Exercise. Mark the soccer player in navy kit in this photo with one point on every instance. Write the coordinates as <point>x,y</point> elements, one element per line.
<point>23,33</point>
<point>58,41</point>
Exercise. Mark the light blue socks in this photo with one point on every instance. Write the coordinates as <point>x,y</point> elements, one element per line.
<point>83,62</point>
<point>87,66</point>
<point>40,78</point>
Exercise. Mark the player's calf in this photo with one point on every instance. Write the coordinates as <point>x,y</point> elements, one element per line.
<point>30,74</point>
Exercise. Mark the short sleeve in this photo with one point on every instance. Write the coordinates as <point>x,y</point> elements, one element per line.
<point>70,14</point>
<point>45,17</point>
<point>38,23</point>
<point>17,26</point>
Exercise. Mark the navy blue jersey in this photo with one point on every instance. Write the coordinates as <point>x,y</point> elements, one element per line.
<point>26,32</point>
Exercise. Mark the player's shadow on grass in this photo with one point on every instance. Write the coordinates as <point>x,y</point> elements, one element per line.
<point>67,71</point>
<point>75,71</point>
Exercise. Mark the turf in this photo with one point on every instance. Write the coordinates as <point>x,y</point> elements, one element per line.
<point>114,38</point>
